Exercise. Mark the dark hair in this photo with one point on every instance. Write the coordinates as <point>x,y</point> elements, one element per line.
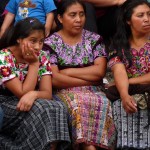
<point>63,5</point>
<point>22,29</point>
<point>120,41</point>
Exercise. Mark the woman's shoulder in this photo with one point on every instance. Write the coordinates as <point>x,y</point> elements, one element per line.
<point>92,38</point>
<point>91,35</point>
<point>6,58</point>
<point>53,39</point>
<point>5,53</point>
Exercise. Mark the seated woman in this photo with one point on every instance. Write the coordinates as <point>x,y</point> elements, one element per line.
<point>130,64</point>
<point>78,61</point>
<point>31,119</point>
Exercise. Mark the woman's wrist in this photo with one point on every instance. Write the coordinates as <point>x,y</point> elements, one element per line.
<point>34,93</point>
<point>132,81</point>
<point>123,94</point>
<point>34,64</point>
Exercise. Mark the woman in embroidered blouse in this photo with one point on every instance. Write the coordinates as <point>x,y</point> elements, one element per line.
<point>31,119</point>
<point>130,64</point>
<point>78,64</point>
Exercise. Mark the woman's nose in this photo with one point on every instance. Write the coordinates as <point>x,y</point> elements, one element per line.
<point>146,18</point>
<point>78,18</point>
<point>37,46</point>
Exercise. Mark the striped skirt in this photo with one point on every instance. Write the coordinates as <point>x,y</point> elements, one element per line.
<point>46,122</point>
<point>133,129</point>
<point>90,116</point>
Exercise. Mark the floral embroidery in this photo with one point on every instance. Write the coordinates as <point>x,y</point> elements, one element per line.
<point>5,71</point>
<point>48,67</point>
<point>114,61</point>
<point>9,69</point>
<point>140,61</point>
<point>83,53</point>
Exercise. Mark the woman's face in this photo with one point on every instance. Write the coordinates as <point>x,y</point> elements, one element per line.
<point>73,19</point>
<point>140,20</point>
<point>34,40</point>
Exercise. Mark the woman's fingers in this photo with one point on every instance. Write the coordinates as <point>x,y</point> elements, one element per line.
<point>23,106</point>
<point>129,105</point>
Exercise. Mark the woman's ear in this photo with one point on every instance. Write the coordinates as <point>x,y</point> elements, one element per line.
<point>18,41</point>
<point>59,18</point>
<point>128,22</point>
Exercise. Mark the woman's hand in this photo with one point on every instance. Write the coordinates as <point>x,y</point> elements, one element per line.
<point>26,101</point>
<point>29,54</point>
<point>129,104</point>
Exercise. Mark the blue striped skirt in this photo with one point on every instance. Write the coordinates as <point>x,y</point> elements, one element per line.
<point>46,122</point>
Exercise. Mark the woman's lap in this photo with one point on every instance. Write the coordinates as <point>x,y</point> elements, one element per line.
<point>90,115</point>
<point>133,130</point>
<point>46,122</point>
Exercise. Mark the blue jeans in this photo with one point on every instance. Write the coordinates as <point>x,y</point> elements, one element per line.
<point>1,117</point>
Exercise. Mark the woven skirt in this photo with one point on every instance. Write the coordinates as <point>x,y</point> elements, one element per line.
<point>90,116</point>
<point>46,122</point>
<point>133,129</point>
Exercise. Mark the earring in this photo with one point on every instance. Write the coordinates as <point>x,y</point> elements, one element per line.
<point>18,41</point>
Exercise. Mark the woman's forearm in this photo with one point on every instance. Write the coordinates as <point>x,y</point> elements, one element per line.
<point>91,73</point>
<point>43,95</point>
<point>19,88</point>
<point>31,78</point>
<point>121,79</point>
<point>144,79</point>
<point>63,81</point>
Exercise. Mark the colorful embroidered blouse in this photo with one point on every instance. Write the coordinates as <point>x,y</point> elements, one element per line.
<point>79,55</point>
<point>140,61</point>
<point>9,69</point>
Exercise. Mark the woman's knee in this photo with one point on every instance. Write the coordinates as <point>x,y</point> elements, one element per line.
<point>51,105</point>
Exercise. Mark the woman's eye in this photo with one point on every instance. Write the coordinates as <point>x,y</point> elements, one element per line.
<point>82,14</point>
<point>41,42</point>
<point>33,41</point>
<point>72,15</point>
<point>140,15</point>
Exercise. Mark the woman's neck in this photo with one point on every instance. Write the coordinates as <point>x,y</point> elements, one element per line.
<point>138,42</point>
<point>17,53</point>
<point>70,39</point>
